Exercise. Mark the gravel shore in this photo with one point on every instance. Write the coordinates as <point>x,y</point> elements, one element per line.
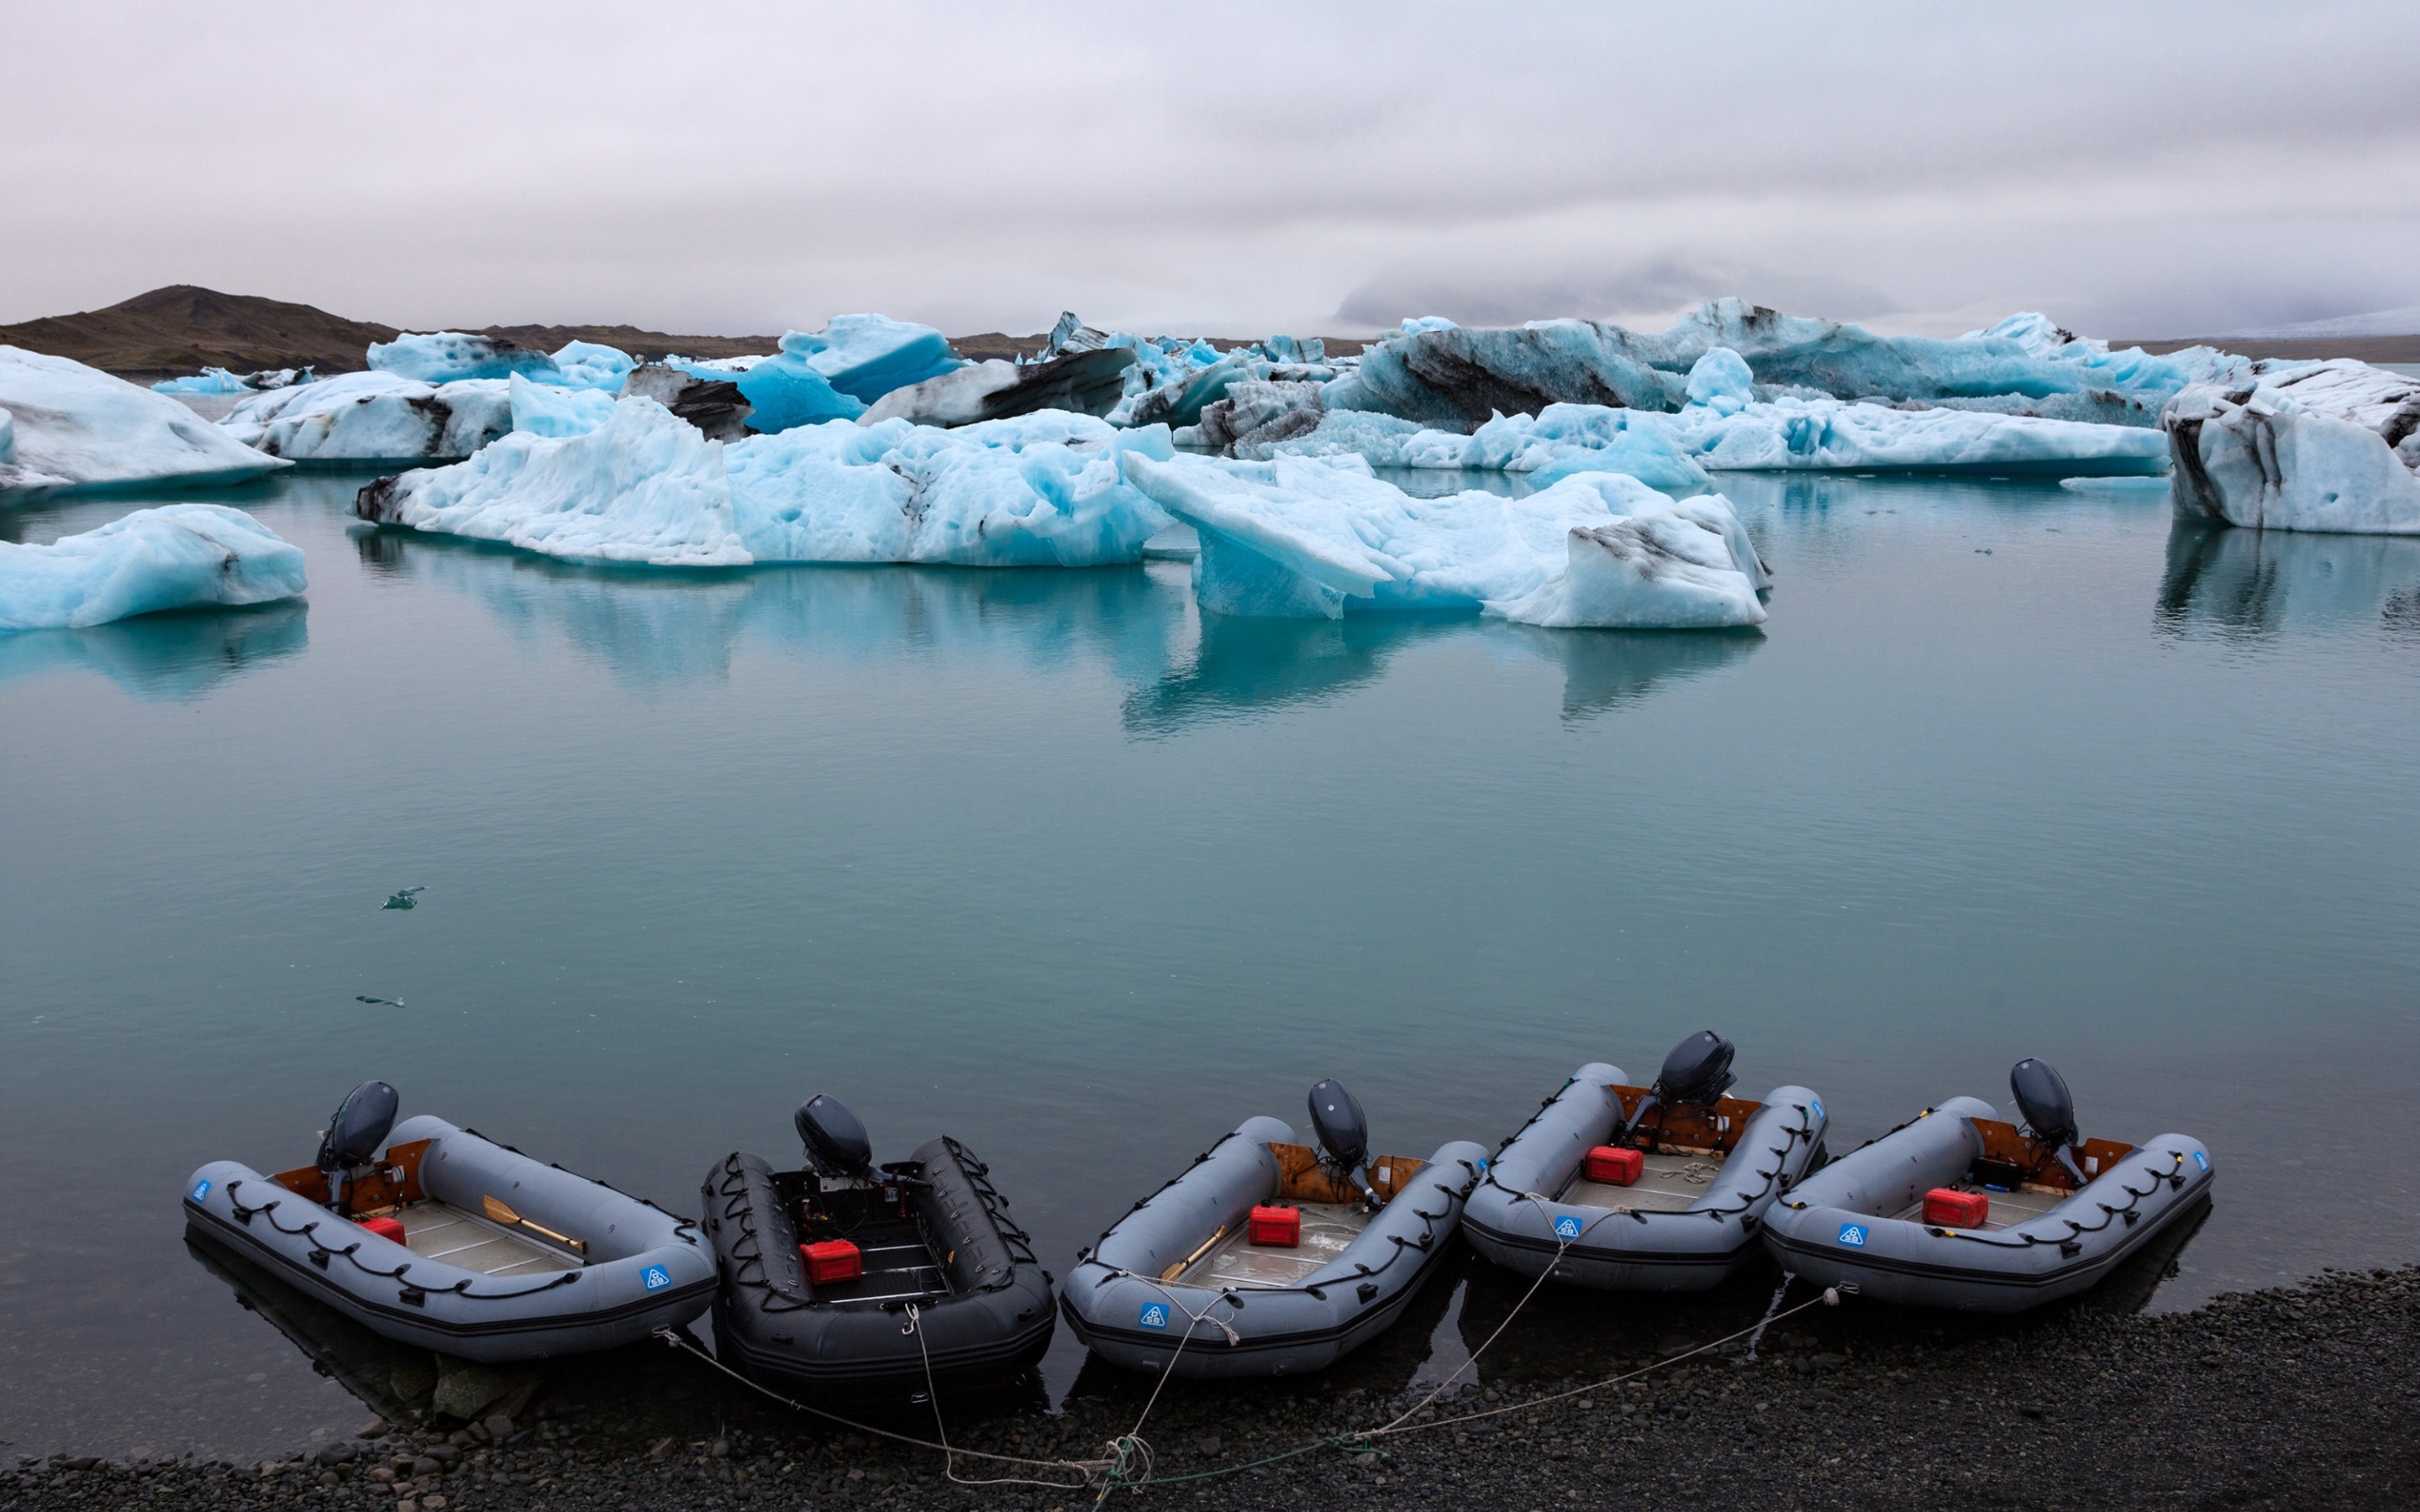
<point>2299,1397</point>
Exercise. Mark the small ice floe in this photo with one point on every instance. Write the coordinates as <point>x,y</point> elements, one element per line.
<point>407,897</point>
<point>178,556</point>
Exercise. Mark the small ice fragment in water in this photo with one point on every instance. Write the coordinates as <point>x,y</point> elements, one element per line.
<point>390,1002</point>
<point>400,900</point>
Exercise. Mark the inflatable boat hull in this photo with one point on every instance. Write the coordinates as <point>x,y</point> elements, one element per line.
<point>1839,1228</point>
<point>637,1268</point>
<point>1516,1220</point>
<point>990,1323</point>
<point>1118,1304</point>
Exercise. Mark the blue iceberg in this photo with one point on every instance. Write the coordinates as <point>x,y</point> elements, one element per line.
<point>866,356</point>
<point>544,410</point>
<point>178,556</point>
<point>589,365</point>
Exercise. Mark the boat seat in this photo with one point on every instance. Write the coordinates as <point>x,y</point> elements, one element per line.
<point>440,1232</point>
<point>1668,1183</point>
<point>1327,1228</point>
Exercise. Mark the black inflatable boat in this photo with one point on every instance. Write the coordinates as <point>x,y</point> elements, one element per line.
<point>844,1280</point>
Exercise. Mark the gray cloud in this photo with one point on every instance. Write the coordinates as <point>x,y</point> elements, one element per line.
<point>2136,169</point>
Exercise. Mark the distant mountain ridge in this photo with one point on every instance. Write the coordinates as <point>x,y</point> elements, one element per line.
<point>184,328</point>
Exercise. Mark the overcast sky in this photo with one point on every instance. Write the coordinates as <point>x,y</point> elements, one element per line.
<point>2133,169</point>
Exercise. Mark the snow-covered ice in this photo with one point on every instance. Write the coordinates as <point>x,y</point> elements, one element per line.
<point>2300,446</point>
<point>374,417</point>
<point>69,426</point>
<point>178,556</point>
<point>646,488</point>
<point>448,356</point>
<point>1299,538</point>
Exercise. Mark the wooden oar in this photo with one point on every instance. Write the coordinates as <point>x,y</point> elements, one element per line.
<point>1178,1269</point>
<point>503,1214</point>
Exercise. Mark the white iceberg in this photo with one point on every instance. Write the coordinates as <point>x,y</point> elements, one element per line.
<point>1083,382</point>
<point>1298,538</point>
<point>1036,490</point>
<point>66,426</point>
<point>178,556</point>
<point>647,488</point>
<point>644,489</point>
<point>2300,446</point>
<point>373,417</point>
<point>449,355</point>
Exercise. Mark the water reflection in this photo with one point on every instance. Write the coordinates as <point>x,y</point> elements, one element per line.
<point>169,656</point>
<point>1246,667</point>
<point>1614,668</point>
<point>2254,584</point>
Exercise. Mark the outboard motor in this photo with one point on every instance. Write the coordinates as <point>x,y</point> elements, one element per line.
<point>835,1140</point>
<point>1344,1133</point>
<point>2049,1110</point>
<point>354,1137</point>
<point>1694,1074</point>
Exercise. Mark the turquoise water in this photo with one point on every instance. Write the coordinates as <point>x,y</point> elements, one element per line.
<point>1042,860</point>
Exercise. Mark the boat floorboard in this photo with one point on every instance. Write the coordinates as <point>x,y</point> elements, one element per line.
<point>1327,1230</point>
<point>2008,1208</point>
<point>1669,1183</point>
<point>443,1233</point>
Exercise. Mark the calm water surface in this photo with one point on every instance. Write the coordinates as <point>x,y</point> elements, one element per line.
<point>1045,860</point>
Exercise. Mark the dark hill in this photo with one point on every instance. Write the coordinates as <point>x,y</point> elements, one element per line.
<point>183,329</point>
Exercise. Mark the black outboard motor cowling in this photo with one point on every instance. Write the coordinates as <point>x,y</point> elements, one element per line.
<point>1344,1133</point>
<point>356,1135</point>
<point>836,1142</point>
<point>2048,1108</point>
<point>1694,1074</point>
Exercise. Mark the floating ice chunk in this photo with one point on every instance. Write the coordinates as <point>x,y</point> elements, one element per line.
<point>1456,377</point>
<point>866,356</point>
<point>1036,490</point>
<point>1415,324</point>
<point>1721,382</point>
<point>1085,382</point>
<point>588,364</point>
<point>646,488</point>
<point>76,427</point>
<point>1558,442</point>
<point>374,417</point>
<point>179,556</point>
<point>210,381</point>
<point>2303,446</point>
<point>446,356</point>
<point>1299,538</point>
<point>1670,568</point>
<point>1832,434</point>
<point>545,409</point>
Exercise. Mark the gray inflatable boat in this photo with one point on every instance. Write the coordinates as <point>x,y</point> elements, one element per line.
<point>1961,1209</point>
<point>453,1242</point>
<point>1190,1282</point>
<point>1707,1169</point>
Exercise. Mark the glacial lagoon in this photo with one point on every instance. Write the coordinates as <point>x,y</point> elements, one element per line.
<point>1048,862</point>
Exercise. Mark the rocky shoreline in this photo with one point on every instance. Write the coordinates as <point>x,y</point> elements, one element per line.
<point>2296,1398</point>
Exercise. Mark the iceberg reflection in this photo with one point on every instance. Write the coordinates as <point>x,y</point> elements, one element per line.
<point>2254,584</point>
<point>169,656</point>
